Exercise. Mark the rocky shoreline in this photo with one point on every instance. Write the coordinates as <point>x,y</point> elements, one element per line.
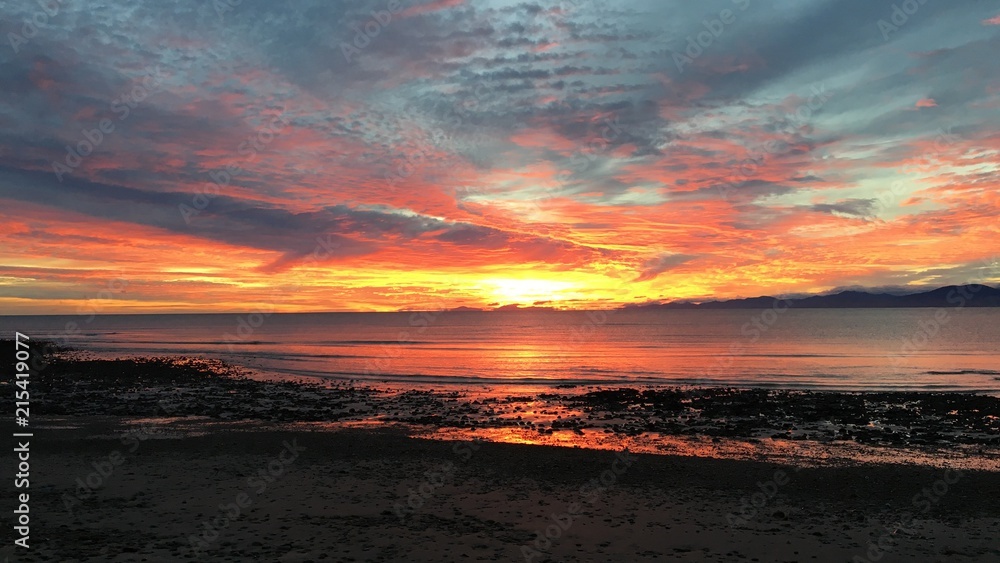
<point>76,385</point>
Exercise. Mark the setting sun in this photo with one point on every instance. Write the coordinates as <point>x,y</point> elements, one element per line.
<point>507,291</point>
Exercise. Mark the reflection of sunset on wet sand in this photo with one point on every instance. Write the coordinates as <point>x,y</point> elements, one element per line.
<point>796,453</point>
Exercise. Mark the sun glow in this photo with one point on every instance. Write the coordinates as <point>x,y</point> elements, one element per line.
<point>508,291</point>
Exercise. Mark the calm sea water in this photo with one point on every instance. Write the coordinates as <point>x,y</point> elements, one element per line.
<point>844,349</point>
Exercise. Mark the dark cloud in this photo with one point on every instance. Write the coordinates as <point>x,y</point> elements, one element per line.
<point>340,231</point>
<point>849,207</point>
<point>663,263</point>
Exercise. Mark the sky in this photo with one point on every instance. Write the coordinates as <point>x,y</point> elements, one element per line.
<point>236,155</point>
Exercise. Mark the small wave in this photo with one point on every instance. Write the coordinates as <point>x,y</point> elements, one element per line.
<point>798,355</point>
<point>369,342</point>
<point>965,372</point>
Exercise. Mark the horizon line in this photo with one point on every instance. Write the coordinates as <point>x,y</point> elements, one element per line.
<point>517,307</point>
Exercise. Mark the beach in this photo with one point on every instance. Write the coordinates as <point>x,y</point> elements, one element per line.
<point>379,495</point>
<point>165,459</point>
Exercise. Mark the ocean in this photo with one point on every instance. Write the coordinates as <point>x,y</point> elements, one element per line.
<point>820,349</point>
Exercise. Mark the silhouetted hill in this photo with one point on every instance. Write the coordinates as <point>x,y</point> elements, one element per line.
<point>973,295</point>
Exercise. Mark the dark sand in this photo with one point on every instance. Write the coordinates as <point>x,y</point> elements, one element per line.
<point>341,500</point>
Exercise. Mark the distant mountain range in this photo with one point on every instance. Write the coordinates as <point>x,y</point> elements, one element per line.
<point>973,295</point>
